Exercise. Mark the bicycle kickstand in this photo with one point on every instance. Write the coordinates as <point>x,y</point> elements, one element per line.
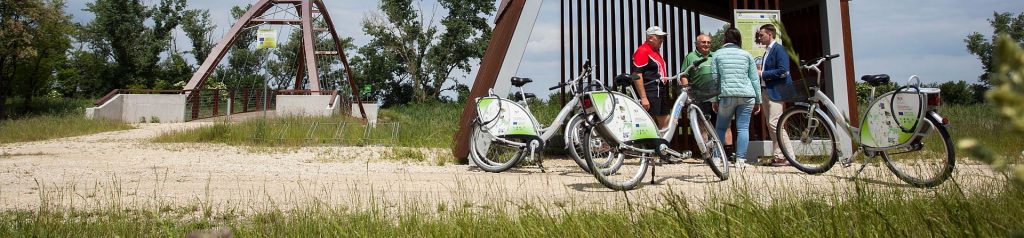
<point>869,160</point>
<point>533,155</point>
<point>655,168</point>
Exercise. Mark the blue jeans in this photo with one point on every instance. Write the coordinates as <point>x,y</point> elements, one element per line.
<point>741,108</point>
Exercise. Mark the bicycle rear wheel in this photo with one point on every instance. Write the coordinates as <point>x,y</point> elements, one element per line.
<point>632,169</point>
<point>807,141</point>
<point>600,150</point>
<point>928,162</point>
<point>709,144</point>
<point>492,155</point>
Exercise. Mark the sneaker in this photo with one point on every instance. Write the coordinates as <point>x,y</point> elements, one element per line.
<point>740,165</point>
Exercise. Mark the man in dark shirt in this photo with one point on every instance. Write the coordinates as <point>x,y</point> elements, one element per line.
<point>650,67</point>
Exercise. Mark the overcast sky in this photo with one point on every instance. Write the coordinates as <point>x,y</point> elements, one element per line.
<point>897,37</point>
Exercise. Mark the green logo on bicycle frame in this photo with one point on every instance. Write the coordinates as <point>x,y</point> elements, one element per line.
<point>512,119</point>
<point>630,122</point>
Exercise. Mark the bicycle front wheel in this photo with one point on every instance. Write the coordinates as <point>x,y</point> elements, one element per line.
<point>709,144</point>
<point>807,141</point>
<point>632,170</point>
<point>600,150</point>
<point>492,155</point>
<point>928,161</point>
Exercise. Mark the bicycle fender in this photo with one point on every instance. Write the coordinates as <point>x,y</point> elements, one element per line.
<point>942,121</point>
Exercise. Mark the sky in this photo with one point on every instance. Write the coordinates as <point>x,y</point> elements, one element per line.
<point>897,37</point>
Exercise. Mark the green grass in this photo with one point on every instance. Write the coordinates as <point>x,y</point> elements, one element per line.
<point>860,213</point>
<point>985,124</point>
<point>428,125</point>
<point>49,118</point>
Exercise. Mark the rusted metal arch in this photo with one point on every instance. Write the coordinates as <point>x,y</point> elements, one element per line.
<point>308,53</point>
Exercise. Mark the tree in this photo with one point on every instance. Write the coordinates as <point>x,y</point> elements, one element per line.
<point>32,45</point>
<point>198,27</point>
<point>958,92</point>
<point>426,55</point>
<point>977,44</point>
<point>134,36</point>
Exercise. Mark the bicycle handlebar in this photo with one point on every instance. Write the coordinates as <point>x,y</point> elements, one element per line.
<point>688,69</point>
<point>583,74</point>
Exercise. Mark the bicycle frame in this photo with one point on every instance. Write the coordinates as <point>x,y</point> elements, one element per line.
<point>854,133</point>
<point>547,132</point>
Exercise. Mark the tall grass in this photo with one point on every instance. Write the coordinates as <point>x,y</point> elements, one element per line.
<point>864,212</point>
<point>985,124</point>
<point>425,125</point>
<point>49,118</point>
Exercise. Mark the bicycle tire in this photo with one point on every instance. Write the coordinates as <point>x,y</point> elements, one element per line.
<point>503,158</point>
<point>936,167</point>
<point>709,144</point>
<point>612,161</point>
<point>818,151</point>
<point>617,181</point>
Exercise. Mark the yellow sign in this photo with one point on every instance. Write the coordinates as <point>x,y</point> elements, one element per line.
<point>748,22</point>
<point>266,38</point>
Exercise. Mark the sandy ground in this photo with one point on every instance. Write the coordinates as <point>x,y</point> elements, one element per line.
<point>123,169</point>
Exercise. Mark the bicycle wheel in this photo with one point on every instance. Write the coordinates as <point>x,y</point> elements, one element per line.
<point>631,171</point>
<point>710,146</point>
<point>492,155</point>
<point>600,150</point>
<point>807,141</point>
<point>928,161</point>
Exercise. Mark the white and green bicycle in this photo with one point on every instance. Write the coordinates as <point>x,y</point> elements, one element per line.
<point>903,127</point>
<point>618,126</point>
<point>506,132</point>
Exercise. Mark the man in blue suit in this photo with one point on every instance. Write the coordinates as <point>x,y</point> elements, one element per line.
<point>774,78</point>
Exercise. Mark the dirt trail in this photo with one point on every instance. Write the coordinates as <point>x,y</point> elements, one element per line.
<point>124,169</point>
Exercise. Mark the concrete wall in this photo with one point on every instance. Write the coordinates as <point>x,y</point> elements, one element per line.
<point>134,107</point>
<point>371,112</point>
<point>165,107</point>
<point>304,105</point>
<point>111,110</point>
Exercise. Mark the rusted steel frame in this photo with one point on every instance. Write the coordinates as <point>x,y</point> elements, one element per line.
<point>275,21</point>
<point>674,48</point>
<point>489,69</point>
<point>590,37</point>
<point>308,42</point>
<point>851,88</point>
<point>623,46</point>
<point>603,46</point>
<point>692,20</point>
<point>220,49</point>
<point>344,59</point>
<point>579,37</point>
<point>303,92</point>
<point>632,35</point>
<point>648,7</point>
<point>613,46</point>
<point>561,51</point>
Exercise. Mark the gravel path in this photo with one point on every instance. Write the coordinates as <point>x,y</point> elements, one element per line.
<point>123,169</point>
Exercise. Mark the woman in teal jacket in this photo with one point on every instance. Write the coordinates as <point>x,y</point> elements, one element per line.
<point>740,91</point>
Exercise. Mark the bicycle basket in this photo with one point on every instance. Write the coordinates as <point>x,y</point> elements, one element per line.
<point>799,91</point>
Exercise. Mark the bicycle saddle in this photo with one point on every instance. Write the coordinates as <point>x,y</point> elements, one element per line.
<point>876,80</point>
<point>519,96</point>
<point>519,82</point>
<point>624,80</point>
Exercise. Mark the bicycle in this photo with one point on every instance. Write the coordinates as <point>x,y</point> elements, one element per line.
<point>895,125</point>
<point>510,129</point>
<point>628,131</point>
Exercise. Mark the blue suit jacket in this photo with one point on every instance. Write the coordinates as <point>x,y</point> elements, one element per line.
<point>776,73</point>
